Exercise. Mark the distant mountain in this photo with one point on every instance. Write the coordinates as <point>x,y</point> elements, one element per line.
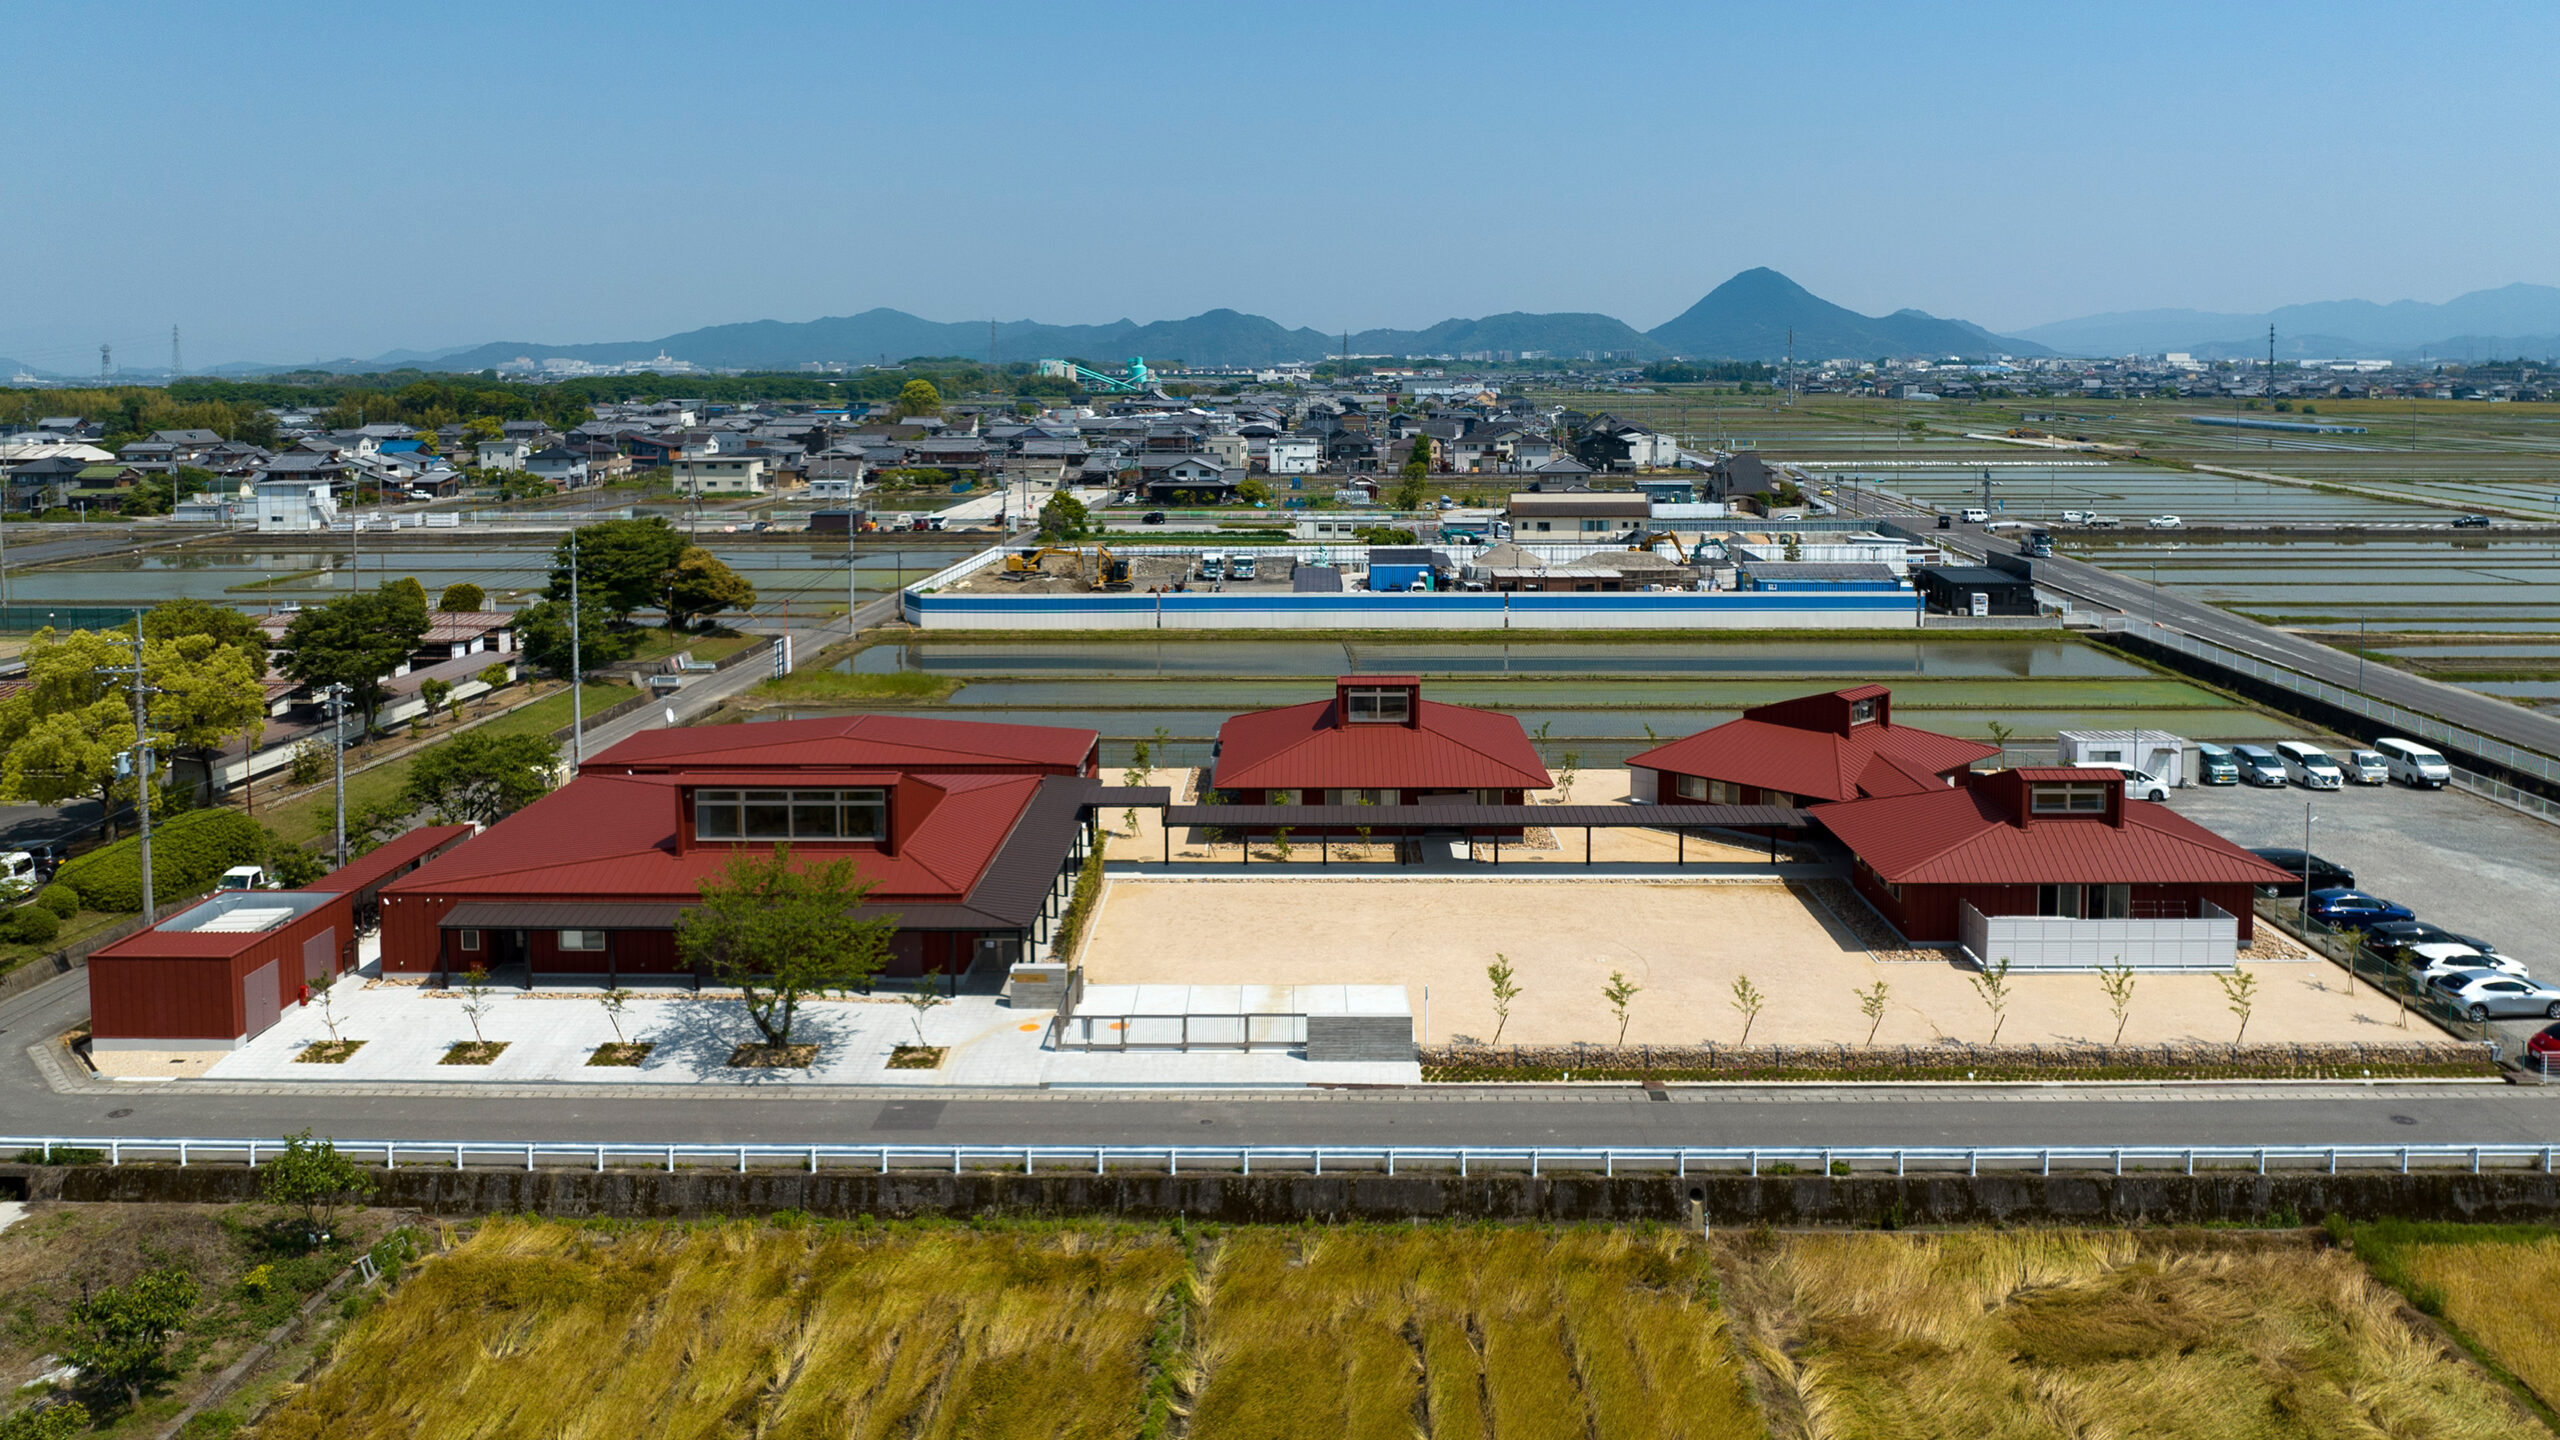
<point>2510,320</point>
<point>1568,334</point>
<point>1748,317</point>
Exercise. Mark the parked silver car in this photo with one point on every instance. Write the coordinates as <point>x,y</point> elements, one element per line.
<point>2483,994</point>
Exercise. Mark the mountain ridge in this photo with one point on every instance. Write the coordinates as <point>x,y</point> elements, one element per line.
<point>2519,318</point>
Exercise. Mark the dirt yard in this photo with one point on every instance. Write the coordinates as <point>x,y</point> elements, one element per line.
<point>1684,944</point>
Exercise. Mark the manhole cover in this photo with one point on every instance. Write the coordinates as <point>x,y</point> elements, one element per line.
<point>118,1114</point>
<point>2404,1119</point>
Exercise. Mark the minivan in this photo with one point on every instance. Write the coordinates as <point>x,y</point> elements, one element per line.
<point>2309,766</point>
<point>2259,766</point>
<point>2413,764</point>
<point>2216,765</point>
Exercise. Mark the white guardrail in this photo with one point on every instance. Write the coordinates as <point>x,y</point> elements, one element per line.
<point>1461,1160</point>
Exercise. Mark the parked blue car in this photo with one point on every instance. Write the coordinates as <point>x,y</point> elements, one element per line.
<point>2354,909</point>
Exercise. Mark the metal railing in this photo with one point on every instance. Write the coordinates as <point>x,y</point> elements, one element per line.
<point>2406,721</point>
<point>1463,1160</point>
<point>1272,1030</point>
<point>2348,947</point>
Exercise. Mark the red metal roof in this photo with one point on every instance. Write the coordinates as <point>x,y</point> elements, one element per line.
<point>610,836</point>
<point>1446,747</point>
<point>1967,836</point>
<point>1823,764</point>
<point>390,855</point>
<point>854,742</point>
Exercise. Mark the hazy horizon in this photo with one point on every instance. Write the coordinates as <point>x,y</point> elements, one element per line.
<point>291,183</point>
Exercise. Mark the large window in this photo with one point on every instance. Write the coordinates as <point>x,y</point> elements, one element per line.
<point>582,940</point>
<point>1380,705</point>
<point>790,814</point>
<point>1714,792</point>
<point>2067,799</point>
<point>1862,712</point>
<point>1360,797</point>
<point>2085,902</point>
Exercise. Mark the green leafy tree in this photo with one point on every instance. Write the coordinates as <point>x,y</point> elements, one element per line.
<point>702,584</point>
<point>357,642</point>
<point>1254,490</point>
<point>622,564</point>
<point>312,1177</point>
<point>918,397</point>
<point>433,694</point>
<point>66,733</point>
<point>542,631</point>
<point>1064,518</point>
<point>779,931</point>
<point>120,1334</point>
<point>478,778</point>
<point>1505,990</point>
<point>175,619</point>
<point>521,485</point>
<point>408,589</point>
<point>461,596</point>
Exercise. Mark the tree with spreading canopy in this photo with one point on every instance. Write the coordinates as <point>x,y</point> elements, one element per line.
<point>622,564</point>
<point>311,1176</point>
<point>66,734</point>
<point>542,631</point>
<point>1064,518</point>
<point>478,779</point>
<point>918,397</point>
<point>461,596</point>
<point>357,642</point>
<point>779,931</point>
<point>700,584</point>
<point>121,1333</point>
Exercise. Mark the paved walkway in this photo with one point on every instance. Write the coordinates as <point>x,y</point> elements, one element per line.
<point>551,1035</point>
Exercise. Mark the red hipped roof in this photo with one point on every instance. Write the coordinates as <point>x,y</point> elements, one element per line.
<point>1778,747</point>
<point>1969,836</point>
<point>853,742</point>
<point>613,836</point>
<point>1446,747</point>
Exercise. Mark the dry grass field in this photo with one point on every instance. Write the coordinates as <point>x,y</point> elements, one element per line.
<point>2063,1333</point>
<point>2494,1284</point>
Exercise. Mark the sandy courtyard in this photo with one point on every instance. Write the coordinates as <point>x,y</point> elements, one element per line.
<point>1685,944</point>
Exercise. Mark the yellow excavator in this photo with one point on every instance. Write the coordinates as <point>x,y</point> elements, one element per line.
<point>1110,572</point>
<point>1650,538</point>
<point>1028,562</point>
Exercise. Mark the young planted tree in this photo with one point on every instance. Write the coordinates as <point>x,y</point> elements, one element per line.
<point>1141,755</point>
<point>324,988</point>
<point>1618,992</point>
<point>922,1003</point>
<point>615,1000</point>
<point>2240,988</point>
<point>1993,986</point>
<point>2117,981</point>
<point>476,1000</point>
<point>1572,766</point>
<point>780,931</point>
<point>1505,991</point>
<point>1871,1003</point>
<point>2000,737</point>
<point>311,1176</point>
<point>1747,1001</point>
<point>120,1334</point>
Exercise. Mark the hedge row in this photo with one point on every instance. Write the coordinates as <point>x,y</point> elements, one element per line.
<point>189,852</point>
<point>1952,1061</point>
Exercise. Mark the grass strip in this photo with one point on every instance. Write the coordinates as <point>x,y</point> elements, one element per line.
<point>1079,912</point>
<point>2474,1280</point>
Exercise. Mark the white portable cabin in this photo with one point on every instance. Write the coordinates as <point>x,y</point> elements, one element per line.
<point>2157,753</point>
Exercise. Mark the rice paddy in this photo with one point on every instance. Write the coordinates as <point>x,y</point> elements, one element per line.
<point>2491,1283</point>
<point>2066,1333</point>
<point>1490,1332</point>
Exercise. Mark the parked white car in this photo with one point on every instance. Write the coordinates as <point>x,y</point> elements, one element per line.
<point>2482,994</point>
<point>2426,962</point>
<point>17,873</point>
<point>2138,784</point>
<point>2309,766</point>
<point>2365,767</point>
<point>2165,522</point>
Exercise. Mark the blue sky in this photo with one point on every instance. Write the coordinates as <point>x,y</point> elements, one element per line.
<point>295,181</point>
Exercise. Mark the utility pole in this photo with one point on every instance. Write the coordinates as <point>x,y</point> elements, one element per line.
<point>577,668</point>
<point>176,369</point>
<point>106,359</point>
<point>142,770</point>
<point>337,697</point>
<point>1791,365</point>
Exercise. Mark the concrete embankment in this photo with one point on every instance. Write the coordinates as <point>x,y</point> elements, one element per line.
<point>2228,1197</point>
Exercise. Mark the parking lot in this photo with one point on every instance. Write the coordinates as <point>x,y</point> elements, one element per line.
<point>2460,861</point>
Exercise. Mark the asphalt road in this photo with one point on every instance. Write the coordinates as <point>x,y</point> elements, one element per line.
<point>2110,590</point>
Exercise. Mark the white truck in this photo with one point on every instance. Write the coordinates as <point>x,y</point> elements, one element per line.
<point>2156,753</point>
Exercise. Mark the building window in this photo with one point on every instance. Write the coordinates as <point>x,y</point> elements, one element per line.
<point>790,814</point>
<point>1380,704</point>
<point>582,940</point>
<point>2067,799</point>
<point>1693,787</point>
<point>2060,902</point>
<point>1279,797</point>
<point>2110,902</point>
<point>467,939</point>
<point>1862,712</point>
<point>1360,797</point>
<point>1491,797</point>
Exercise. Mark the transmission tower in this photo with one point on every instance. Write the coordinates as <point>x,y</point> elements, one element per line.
<point>176,369</point>
<point>106,359</point>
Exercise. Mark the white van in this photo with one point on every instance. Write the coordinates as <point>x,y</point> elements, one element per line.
<point>2413,764</point>
<point>2309,766</point>
<point>1213,566</point>
<point>2138,784</point>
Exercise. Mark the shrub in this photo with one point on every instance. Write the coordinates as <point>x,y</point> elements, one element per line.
<point>62,900</point>
<point>188,854</point>
<point>33,925</point>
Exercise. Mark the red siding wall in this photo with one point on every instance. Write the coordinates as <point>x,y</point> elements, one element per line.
<point>137,994</point>
<point>1927,913</point>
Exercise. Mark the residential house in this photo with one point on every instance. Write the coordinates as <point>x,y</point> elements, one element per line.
<point>563,466</point>
<point>1294,455</point>
<point>1375,742</point>
<point>1805,751</point>
<point>503,454</point>
<point>293,506</point>
<point>1576,516</point>
<point>970,834</point>
<point>720,475</point>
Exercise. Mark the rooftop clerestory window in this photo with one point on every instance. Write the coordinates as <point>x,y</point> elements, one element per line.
<point>1380,705</point>
<point>2067,799</point>
<point>790,814</point>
